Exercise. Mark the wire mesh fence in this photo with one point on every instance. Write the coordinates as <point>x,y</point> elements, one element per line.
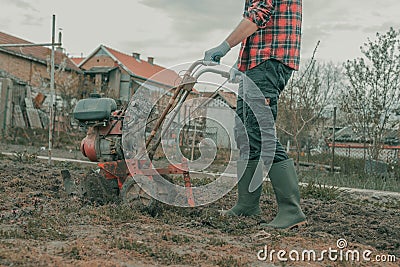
<point>353,159</point>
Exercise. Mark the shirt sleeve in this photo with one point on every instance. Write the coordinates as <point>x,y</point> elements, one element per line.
<point>259,12</point>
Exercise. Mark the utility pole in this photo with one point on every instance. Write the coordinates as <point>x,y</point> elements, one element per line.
<point>52,90</point>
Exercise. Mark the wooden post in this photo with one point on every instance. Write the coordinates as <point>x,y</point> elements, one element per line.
<point>333,140</point>
<point>194,140</point>
<point>52,91</point>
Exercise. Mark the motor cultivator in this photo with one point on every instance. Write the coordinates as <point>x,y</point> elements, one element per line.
<point>104,144</point>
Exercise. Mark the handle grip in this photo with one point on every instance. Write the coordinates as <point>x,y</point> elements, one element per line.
<point>216,59</point>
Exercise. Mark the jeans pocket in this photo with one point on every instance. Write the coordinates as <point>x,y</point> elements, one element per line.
<point>283,75</point>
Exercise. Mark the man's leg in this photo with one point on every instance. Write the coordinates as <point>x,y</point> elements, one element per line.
<point>248,200</point>
<point>285,183</point>
<point>271,78</point>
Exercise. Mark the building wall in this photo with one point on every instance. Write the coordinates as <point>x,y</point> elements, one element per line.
<point>221,121</point>
<point>98,61</point>
<point>19,67</point>
<point>32,72</point>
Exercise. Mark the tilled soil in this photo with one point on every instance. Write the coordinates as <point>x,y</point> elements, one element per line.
<point>40,225</point>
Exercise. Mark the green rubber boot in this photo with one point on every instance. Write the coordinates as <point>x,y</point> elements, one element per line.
<point>285,183</point>
<point>248,202</point>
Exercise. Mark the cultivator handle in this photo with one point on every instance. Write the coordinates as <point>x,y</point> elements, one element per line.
<point>188,81</point>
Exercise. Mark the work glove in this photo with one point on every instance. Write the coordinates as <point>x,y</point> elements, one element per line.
<point>214,55</point>
<point>234,74</point>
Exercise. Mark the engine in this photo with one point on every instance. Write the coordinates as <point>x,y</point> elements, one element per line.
<point>103,122</point>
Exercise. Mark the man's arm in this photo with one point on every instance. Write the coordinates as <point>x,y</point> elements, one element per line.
<point>241,32</point>
<point>257,16</point>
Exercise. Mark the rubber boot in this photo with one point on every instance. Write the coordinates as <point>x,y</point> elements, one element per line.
<point>285,183</point>
<point>248,202</point>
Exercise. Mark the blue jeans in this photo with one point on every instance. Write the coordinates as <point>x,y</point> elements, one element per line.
<point>270,77</point>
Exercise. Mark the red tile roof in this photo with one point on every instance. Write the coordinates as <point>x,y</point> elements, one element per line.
<point>77,60</point>
<point>229,97</point>
<point>144,69</point>
<point>39,53</point>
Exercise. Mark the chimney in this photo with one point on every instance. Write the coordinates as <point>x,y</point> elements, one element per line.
<point>59,48</point>
<point>136,55</point>
<point>150,60</point>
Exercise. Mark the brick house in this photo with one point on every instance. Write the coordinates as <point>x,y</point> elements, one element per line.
<point>119,75</point>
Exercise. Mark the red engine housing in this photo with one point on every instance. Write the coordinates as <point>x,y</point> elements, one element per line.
<point>103,140</point>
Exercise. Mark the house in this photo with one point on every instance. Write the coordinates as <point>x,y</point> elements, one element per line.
<point>220,122</point>
<point>119,75</point>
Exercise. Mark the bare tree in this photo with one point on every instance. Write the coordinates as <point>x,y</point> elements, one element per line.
<point>308,93</point>
<point>373,91</point>
<point>68,85</point>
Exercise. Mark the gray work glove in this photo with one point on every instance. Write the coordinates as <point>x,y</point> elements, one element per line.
<point>234,74</point>
<point>215,54</point>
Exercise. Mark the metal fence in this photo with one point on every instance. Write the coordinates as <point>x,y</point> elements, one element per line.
<point>388,154</point>
<point>353,158</point>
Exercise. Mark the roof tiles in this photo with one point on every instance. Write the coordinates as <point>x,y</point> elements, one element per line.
<point>145,69</point>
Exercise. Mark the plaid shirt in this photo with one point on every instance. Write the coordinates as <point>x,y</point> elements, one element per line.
<point>278,35</point>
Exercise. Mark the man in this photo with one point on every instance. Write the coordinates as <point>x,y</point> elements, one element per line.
<point>270,35</point>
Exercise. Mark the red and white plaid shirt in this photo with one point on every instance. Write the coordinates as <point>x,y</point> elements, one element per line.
<point>278,35</point>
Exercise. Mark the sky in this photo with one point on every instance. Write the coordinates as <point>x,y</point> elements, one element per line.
<point>179,31</point>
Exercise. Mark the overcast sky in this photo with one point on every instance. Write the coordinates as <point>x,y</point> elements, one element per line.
<point>177,31</point>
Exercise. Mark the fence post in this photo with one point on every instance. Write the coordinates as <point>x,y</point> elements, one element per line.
<point>193,140</point>
<point>333,140</point>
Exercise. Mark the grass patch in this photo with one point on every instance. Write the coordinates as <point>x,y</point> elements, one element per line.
<point>119,213</point>
<point>139,247</point>
<point>352,174</point>
<point>39,137</point>
<point>162,255</point>
<point>44,228</point>
<point>37,229</point>
<point>178,239</point>
<point>73,254</point>
<point>217,242</point>
<point>319,191</point>
<point>229,261</point>
<point>351,180</point>
<point>25,157</point>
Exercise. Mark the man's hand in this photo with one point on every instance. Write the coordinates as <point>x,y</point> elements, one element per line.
<point>234,74</point>
<point>215,54</point>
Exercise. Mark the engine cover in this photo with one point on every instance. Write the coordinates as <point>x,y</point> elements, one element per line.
<point>94,109</point>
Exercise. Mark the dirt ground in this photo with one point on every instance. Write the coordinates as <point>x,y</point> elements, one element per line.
<point>40,225</point>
